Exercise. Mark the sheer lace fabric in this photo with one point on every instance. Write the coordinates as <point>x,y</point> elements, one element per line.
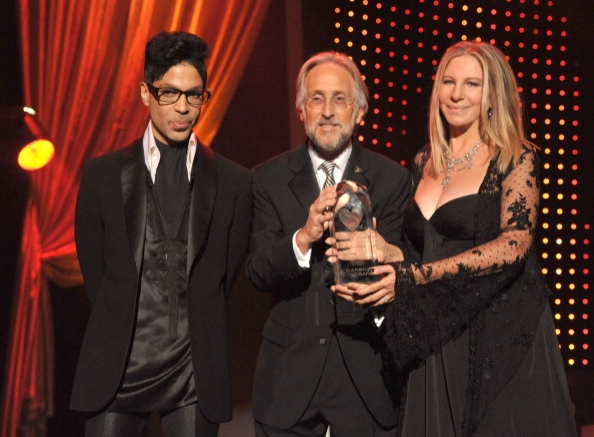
<point>495,291</point>
<point>519,195</point>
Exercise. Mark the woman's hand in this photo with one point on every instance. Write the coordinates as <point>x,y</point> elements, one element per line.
<point>370,294</point>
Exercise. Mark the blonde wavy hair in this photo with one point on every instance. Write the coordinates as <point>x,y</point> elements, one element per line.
<point>500,123</point>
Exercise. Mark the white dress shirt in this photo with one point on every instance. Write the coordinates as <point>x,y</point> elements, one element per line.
<point>152,156</point>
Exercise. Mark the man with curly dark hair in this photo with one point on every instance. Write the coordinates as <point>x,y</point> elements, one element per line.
<point>161,230</point>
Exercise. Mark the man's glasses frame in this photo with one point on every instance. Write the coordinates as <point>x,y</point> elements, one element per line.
<point>168,96</point>
<point>338,102</point>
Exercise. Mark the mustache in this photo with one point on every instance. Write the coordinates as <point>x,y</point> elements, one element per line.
<point>329,123</point>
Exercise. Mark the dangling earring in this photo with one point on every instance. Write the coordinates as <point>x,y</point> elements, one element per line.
<point>489,112</point>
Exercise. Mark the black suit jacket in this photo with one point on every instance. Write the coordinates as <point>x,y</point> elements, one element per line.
<point>110,227</point>
<point>304,315</point>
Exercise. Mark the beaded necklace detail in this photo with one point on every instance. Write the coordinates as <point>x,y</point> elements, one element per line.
<point>452,163</point>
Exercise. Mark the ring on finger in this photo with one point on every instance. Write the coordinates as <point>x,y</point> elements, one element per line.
<point>384,300</point>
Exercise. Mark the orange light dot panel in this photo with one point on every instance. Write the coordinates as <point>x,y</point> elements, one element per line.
<point>397,46</point>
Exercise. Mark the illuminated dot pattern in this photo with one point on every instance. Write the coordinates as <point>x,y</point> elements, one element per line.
<point>398,45</point>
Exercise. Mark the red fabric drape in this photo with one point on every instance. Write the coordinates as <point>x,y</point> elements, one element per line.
<point>82,64</point>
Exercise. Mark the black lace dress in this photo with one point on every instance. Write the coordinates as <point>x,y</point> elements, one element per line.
<point>474,353</point>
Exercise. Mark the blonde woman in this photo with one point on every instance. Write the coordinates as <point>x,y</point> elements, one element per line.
<point>472,347</point>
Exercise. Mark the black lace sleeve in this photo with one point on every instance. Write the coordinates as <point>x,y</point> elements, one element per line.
<point>519,198</point>
<point>444,296</point>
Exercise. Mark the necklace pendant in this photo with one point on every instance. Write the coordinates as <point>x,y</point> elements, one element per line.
<point>452,163</point>
<point>445,181</point>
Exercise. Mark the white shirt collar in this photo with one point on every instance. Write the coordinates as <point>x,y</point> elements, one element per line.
<point>340,161</point>
<point>152,156</point>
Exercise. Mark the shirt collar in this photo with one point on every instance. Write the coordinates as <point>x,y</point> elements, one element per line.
<point>340,161</point>
<point>152,156</point>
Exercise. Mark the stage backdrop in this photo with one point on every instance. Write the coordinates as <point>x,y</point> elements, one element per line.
<point>82,68</point>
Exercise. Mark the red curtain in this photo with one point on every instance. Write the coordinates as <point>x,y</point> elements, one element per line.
<point>82,63</point>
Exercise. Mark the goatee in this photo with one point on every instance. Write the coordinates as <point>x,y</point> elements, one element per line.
<point>330,151</point>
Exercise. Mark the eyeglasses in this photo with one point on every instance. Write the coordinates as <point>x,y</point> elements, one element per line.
<point>168,96</point>
<point>339,102</point>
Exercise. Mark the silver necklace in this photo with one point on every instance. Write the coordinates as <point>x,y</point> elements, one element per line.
<point>452,163</point>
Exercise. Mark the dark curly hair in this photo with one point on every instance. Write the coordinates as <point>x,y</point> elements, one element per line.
<point>167,49</point>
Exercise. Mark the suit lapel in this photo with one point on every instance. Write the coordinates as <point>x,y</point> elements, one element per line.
<point>303,184</point>
<point>357,166</point>
<point>204,188</point>
<point>133,175</point>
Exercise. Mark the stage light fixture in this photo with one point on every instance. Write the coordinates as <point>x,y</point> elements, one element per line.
<point>28,136</point>
<point>38,150</point>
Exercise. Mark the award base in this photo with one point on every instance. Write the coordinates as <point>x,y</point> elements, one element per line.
<point>354,271</point>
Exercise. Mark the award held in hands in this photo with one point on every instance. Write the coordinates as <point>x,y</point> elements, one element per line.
<point>352,227</point>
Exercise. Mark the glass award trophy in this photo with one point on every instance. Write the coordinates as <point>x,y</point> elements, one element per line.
<point>352,227</point>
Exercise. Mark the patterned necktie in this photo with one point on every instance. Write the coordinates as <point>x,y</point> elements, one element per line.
<point>329,169</point>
